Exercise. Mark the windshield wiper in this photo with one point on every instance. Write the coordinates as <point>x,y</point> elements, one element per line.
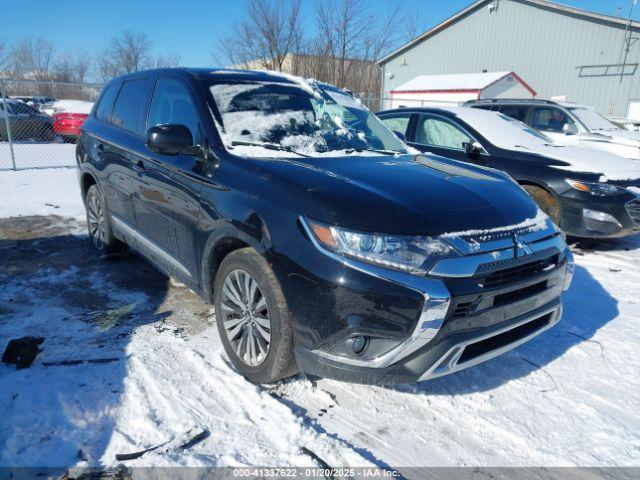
<point>268,146</point>
<point>349,151</point>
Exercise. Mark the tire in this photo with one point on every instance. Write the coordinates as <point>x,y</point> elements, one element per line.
<point>98,225</point>
<point>244,325</point>
<point>547,203</point>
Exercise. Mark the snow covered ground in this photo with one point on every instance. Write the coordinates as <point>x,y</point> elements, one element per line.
<point>569,397</point>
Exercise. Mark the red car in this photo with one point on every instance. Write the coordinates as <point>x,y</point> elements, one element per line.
<point>67,124</point>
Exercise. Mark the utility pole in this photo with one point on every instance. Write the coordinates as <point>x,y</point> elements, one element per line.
<point>628,40</point>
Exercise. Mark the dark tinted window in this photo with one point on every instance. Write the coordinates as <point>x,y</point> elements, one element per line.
<point>172,103</point>
<point>129,110</point>
<point>549,119</point>
<point>515,111</point>
<point>486,107</point>
<point>105,105</point>
<point>19,108</point>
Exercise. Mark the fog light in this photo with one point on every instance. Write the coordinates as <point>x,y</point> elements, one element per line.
<point>359,344</point>
<point>594,219</point>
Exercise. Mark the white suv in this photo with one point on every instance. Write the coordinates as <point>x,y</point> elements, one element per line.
<point>568,123</point>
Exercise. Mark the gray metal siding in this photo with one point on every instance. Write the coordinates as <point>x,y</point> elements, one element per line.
<point>540,44</point>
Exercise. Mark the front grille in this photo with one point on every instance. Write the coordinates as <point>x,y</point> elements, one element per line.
<point>520,272</point>
<point>490,344</point>
<point>519,294</point>
<point>634,211</point>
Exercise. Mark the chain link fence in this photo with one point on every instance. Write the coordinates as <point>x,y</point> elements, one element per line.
<point>39,122</point>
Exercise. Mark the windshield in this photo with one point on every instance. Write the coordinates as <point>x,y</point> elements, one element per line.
<point>504,131</point>
<point>593,120</point>
<point>277,119</point>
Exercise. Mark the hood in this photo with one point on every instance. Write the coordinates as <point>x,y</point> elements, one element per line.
<point>406,194</point>
<point>624,137</point>
<point>583,160</point>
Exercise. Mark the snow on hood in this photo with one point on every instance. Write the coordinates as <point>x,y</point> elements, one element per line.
<point>533,224</point>
<point>511,134</point>
<point>608,165</point>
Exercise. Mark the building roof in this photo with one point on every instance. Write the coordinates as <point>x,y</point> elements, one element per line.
<point>458,82</point>
<point>481,3</point>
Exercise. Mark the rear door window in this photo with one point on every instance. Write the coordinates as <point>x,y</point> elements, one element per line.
<point>130,107</point>
<point>105,105</point>
<point>172,103</point>
<point>519,112</point>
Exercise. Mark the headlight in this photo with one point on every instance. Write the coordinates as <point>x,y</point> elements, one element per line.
<point>600,189</point>
<point>409,254</point>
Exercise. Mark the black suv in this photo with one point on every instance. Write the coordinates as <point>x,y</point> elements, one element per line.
<point>324,244</point>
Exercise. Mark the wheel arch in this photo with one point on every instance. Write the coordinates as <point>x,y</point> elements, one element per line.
<point>228,239</point>
<point>543,186</point>
<point>86,181</point>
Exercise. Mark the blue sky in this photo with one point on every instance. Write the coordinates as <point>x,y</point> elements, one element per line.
<point>187,27</point>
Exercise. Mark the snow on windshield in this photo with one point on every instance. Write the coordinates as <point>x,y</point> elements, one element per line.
<point>593,120</point>
<point>275,118</point>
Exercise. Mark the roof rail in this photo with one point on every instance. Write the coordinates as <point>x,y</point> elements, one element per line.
<point>510,100</point>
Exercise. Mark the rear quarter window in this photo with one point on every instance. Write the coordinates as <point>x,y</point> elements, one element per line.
<point>105,104</point>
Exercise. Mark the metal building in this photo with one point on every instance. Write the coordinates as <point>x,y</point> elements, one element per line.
<point>561,51</point>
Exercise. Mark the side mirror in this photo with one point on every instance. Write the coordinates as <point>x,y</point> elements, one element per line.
<point>171,139</point>
<point>400,135</point>
<point>569,129</point>
<point>472,148</point>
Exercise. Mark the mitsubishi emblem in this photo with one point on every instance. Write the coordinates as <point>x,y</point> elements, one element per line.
<point>521,249</point>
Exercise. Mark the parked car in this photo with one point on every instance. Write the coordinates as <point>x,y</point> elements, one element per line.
<point>324,244</point>
<point>588,193</point>
<point>25,123</point>
<point>568,123</point>
<point>34,101</point>
<point>67,124</point>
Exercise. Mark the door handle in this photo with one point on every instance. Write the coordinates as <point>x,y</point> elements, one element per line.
<point>100,147</point>
<point>140,164</point>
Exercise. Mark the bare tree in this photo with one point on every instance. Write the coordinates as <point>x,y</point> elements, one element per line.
<point>129,52</point>
<point>72,69</point>
<point>351,37</point>
<point>168,61</point>
<point>33,58</point>
<point>81,66</point>
<point>269,35</point>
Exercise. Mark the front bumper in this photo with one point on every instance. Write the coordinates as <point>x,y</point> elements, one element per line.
<point>463,314</point>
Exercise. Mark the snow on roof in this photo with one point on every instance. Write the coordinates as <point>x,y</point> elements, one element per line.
<point>457,81</point>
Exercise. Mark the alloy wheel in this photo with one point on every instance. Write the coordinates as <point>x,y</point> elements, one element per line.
<point>245,317</point>
<point>96,222</point>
